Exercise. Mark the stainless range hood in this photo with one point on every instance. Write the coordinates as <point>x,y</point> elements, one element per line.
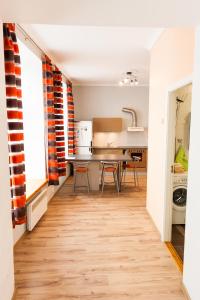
<point>133,126</point>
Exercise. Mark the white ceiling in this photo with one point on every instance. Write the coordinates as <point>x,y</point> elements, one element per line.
<point>101,38</point>
<point>96,55</point>
<point>138,13</point>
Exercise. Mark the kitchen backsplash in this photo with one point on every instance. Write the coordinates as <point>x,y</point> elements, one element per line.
<point>123,138</point>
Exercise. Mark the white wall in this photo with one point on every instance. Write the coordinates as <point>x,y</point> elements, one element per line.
<point>108,101</point>
<point>171,61</point>
<point>6,239</point>
<point>191,272</point>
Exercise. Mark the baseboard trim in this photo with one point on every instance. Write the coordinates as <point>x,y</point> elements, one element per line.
<point>153,222</point>
<point>175,256</point>
<point>14,294</point>
<point>58,188</point>
<point>185,292</point>
<point>21,238</point>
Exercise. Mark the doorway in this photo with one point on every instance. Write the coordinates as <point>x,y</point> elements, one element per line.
<point>178,154</point>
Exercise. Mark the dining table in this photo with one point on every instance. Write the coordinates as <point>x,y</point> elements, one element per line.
<point>95,163</point>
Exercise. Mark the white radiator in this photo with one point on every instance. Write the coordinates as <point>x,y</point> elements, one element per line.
<point>36,209</point>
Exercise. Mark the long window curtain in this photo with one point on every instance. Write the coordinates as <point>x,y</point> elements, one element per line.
<point>15,124</point>
<point>59,121</point>
<point>53,98</point>
<point>71,131</point>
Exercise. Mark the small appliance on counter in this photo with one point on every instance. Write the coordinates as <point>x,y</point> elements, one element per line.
<point>83,134</point>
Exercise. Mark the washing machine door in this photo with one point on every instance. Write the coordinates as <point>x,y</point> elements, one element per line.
<point>180,197</point>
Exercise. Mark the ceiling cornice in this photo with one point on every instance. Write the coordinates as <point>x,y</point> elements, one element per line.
<point>155,38</point>
<point>107,85</point>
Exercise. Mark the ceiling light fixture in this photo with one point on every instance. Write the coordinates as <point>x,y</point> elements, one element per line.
<point>128,79</point>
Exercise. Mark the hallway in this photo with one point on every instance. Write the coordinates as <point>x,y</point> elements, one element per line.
<point>96,246</point>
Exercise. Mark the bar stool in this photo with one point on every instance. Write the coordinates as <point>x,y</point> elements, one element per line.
<point>110,167</point>
<point>131,166</point>
<point>81,169</point>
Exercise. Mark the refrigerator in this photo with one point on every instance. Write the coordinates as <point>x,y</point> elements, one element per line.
<point>83,134</point>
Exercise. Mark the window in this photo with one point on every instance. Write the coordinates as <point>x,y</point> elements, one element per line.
<point>33,111</point>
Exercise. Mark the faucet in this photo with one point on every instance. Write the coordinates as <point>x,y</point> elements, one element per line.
<point>109,144</point>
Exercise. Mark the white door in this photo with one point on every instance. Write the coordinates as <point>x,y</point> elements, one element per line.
<point>171,122</point>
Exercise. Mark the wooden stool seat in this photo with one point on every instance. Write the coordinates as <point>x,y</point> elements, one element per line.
<point>110,169</point>
<point>130,166</point>
<point>81,169</point>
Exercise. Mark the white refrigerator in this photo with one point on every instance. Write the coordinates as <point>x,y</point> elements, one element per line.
<point>83,134</point>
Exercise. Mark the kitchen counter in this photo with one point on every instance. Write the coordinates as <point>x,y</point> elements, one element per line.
<point>118,147</point>
<point>99,157</point>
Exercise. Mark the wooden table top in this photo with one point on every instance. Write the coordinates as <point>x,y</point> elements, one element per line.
<point>100,157</point>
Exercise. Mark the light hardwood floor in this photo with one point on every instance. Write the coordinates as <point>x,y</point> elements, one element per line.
<point>96,246</point>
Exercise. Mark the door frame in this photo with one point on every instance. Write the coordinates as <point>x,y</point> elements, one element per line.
<point>170,139</point>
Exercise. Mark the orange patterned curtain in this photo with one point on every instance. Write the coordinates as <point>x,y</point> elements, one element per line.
<point>71,131</point>
<point>59,121</point>
<point>53,96</point>
<point>15,124</point>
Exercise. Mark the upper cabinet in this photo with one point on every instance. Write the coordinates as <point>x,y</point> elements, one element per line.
<point>107,124</point>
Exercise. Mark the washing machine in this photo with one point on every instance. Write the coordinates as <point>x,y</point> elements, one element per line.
<point>179,198</point>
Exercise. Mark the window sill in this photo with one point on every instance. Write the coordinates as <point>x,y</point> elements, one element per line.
<point>33,186</point>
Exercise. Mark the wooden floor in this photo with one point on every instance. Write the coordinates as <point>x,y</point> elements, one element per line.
<point>96,246</point>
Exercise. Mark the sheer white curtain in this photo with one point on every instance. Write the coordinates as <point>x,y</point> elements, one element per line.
<point>65,115</point>
<point>33,110</point>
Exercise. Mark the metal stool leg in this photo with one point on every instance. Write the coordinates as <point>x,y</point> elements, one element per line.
<point>119,175</point>
<point>74,183</point>
<point>88,183</point>
<point>116,181</point>
<point>101,176</point>
<point>134,176</point>
<point>114,178</point>
<point>137,178</point>
<point>124,175</point>
<point>103,181</point>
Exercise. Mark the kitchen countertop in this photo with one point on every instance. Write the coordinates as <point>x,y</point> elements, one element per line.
<point>118,147</point>
<point>99,157</point>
